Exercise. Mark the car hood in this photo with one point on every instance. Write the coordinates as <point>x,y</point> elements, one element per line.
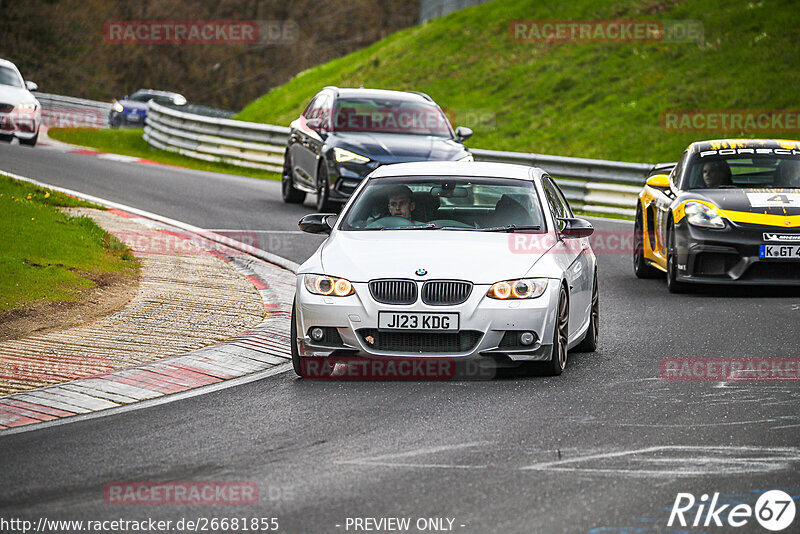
<point>744,200</point>
<point>399,148</point>
<point>16,95</point>
<point>480,257</point>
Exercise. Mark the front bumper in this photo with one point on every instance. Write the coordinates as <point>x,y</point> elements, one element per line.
<point>22,125</point>
<point>488,328</point>
<point>732,255</point>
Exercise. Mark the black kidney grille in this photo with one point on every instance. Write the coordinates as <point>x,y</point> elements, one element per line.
<point>394,291</point>
<point>445,292</point>
<point>423,342</point>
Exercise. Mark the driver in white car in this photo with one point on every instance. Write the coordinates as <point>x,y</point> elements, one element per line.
<point>401,202</point>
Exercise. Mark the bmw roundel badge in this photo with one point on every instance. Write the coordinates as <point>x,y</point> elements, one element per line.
<point>421,272</point>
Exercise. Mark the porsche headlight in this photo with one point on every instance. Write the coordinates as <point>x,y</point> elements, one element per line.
<point>343,156</point>
<point>26,107</point>
<point>468,157</point>
<point>118,107</point>
<point>329,286</point>
<point>525,288</point>
<point>701,215</point>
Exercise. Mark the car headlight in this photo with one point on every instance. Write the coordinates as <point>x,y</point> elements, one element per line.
<point>701,215</point>
<point>118,107</point>
<point>525,288</point>
<point>329,286</point>
<point>468,157</point>
<point>26,107</point>
<point>343,156</point>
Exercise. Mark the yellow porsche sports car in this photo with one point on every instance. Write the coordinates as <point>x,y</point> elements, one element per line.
<point>728,212</point>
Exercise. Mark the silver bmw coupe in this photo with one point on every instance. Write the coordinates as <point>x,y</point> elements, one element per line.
<point>457,260</point>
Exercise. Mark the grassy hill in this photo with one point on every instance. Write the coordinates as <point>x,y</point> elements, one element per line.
<point>584,99</point>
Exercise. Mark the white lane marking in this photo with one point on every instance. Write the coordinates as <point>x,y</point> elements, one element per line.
<point>687,461</point>
<point>431,450</point>
<point>603,455</point>
<point>694,425</point>
<point>418,466</point>
<point>668,461</point>
<point>380,459</point>
<point>118,157</point>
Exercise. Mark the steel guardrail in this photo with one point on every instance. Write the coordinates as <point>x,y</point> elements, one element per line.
<point>68,111</point>
<point>244,144</point>
<point>592,185</point>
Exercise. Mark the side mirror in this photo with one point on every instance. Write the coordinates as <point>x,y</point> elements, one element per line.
<point>314,123</point>
<point>31,86</point>
<point>576,228</point>
<point>317,223</point>
<point>658,181</point>
<point>463,133</point>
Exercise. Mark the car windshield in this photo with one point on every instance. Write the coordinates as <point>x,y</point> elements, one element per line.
<point>147,97</point>
<point>141,97</point>
<point>164,100</point>
<point>735,171</point>
<point>9,77</point>
<point>385,115</point>
<point>445,203</point>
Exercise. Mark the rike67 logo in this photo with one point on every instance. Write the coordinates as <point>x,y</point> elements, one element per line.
<point>774,510</point>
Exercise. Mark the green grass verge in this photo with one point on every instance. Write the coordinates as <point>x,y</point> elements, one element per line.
<point>593,100</point>
<point>581,213</point>
<point>129,142</point>
<point>46,255</point>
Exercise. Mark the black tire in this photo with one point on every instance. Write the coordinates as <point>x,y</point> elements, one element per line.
<point>296,363</point>
<point>558,361</point>
<point>589,343</point>
<point>290,194</point>
<point>640,266</point>
<point>6,138</point>
<point>673,285</point>
<point>30,142</point>
<point>324,203</point>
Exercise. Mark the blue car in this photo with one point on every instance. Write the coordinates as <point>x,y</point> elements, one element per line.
<point>131,110</point>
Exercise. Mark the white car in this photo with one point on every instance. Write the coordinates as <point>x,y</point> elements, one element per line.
<point>20,112</point>
<point>477,261</point>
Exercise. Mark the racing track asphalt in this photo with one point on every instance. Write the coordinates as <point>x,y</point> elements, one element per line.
<point>483,453</point>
